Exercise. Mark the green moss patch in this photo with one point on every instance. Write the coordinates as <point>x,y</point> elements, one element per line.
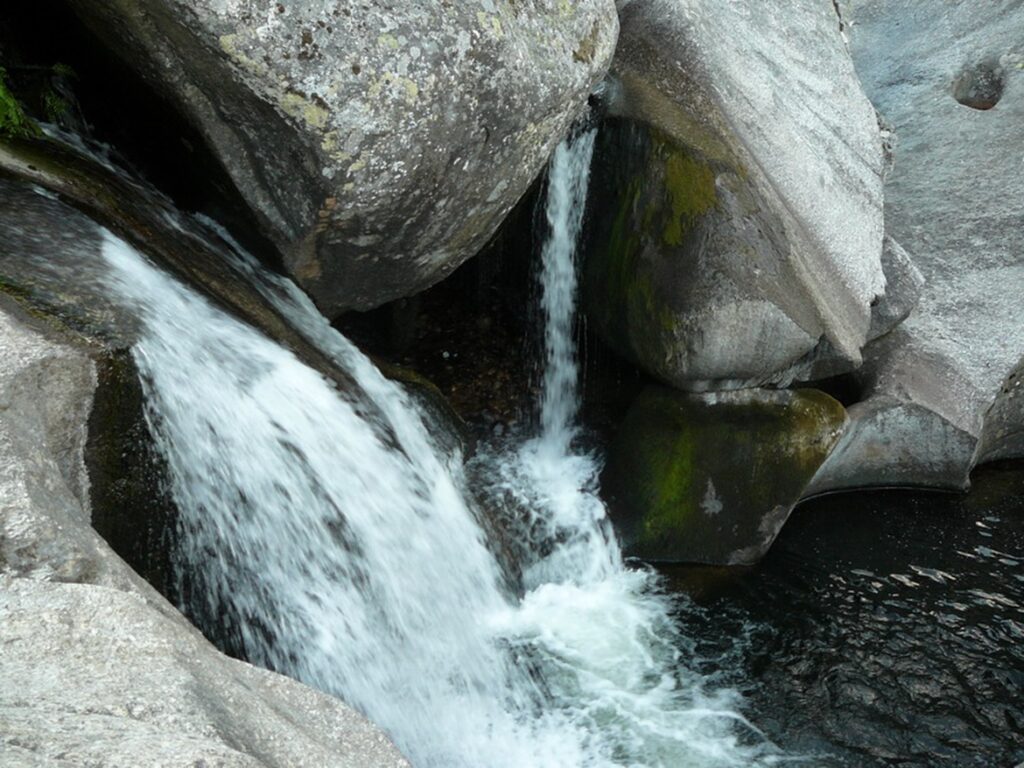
<point>653,194</point>
<point>690,185</point>
<point>14,123</point>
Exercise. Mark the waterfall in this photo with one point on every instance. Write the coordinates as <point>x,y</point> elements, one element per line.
<point>567,195</point>
<point>326,532</point>
<point>611,625</point>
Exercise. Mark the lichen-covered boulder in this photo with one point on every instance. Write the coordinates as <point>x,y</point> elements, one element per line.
<point>712,478</point>
<point>379,144</point>
<point>940,394</point>
<point>737,195</point>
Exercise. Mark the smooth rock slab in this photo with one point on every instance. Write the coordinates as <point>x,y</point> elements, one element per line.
<point>955,202</point>
<point>712,478</point>
<point>46,393</point>
<point>94,676</point>
<point>738,226</point>
<point>379,144</point>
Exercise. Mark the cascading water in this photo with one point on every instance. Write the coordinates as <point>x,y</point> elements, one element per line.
<point>327,532</point>
<point>557,487</point>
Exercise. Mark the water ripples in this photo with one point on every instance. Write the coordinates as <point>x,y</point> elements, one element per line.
<point>883,629</point>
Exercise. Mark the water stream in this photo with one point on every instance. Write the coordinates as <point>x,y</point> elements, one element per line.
<point>327,534</point>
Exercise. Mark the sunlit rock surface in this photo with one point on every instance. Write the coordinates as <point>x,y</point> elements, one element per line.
<point>712,478</point>
<point>380,145</point>
<point>738,224</point>
<point>939,395</point>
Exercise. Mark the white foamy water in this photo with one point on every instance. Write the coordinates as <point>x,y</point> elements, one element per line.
<point>329,534</point>
<point>608,627</point>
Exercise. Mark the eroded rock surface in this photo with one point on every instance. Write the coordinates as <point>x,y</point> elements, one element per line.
<point>381,144</point>
<point>939,395</point>
<point>738,234</point>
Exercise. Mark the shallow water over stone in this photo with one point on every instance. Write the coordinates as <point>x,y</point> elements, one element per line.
<point>883,629</point>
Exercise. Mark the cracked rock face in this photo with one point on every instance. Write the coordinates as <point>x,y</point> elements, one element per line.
<point>739,241</point>
<point>942,392</point>
<point>379,144</point>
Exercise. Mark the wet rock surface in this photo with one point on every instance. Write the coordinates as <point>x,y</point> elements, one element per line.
<point>938,393</point>
<point>739,233</point>
<point>381,146</point>
<point>712,478</point>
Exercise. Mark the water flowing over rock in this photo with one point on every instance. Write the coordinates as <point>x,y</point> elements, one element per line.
<point>738,233</point>
<point>712,478</point>
<point>569,559</point>
<point>97,667</point>
<point>380,145</point>
<point>60,193</point>
<point>939,392</point>
<point>383,589</point>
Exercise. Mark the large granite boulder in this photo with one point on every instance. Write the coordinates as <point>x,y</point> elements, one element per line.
<point>939,393</point>
<point>737,224</point>
<point>711,478</point>
<point>379,144</point>
<point>97,668</point>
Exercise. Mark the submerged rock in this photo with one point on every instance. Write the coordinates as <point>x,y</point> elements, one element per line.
<point>738,192</point>
<point>939,394</point>
<point>97,667</point>
<point>379,146</point>
<point>712,478</point>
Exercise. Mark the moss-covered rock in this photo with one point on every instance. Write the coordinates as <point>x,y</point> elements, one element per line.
<point>712,478</point>
<point>686,270</point>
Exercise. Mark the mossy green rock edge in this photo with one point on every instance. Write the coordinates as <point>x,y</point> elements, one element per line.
<point>13,120</point>
<point>713,478</point>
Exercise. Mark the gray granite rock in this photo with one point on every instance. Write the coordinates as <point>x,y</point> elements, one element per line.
<point>94,676</point>
<point>741,235</point>
<point>1003,434</point>
<point>379,144</point>
<point>903,286</point>
<point>45,396</point>
<point>955,202</point>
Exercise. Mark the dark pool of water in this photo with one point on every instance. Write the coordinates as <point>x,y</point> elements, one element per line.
<point>883,629</point>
